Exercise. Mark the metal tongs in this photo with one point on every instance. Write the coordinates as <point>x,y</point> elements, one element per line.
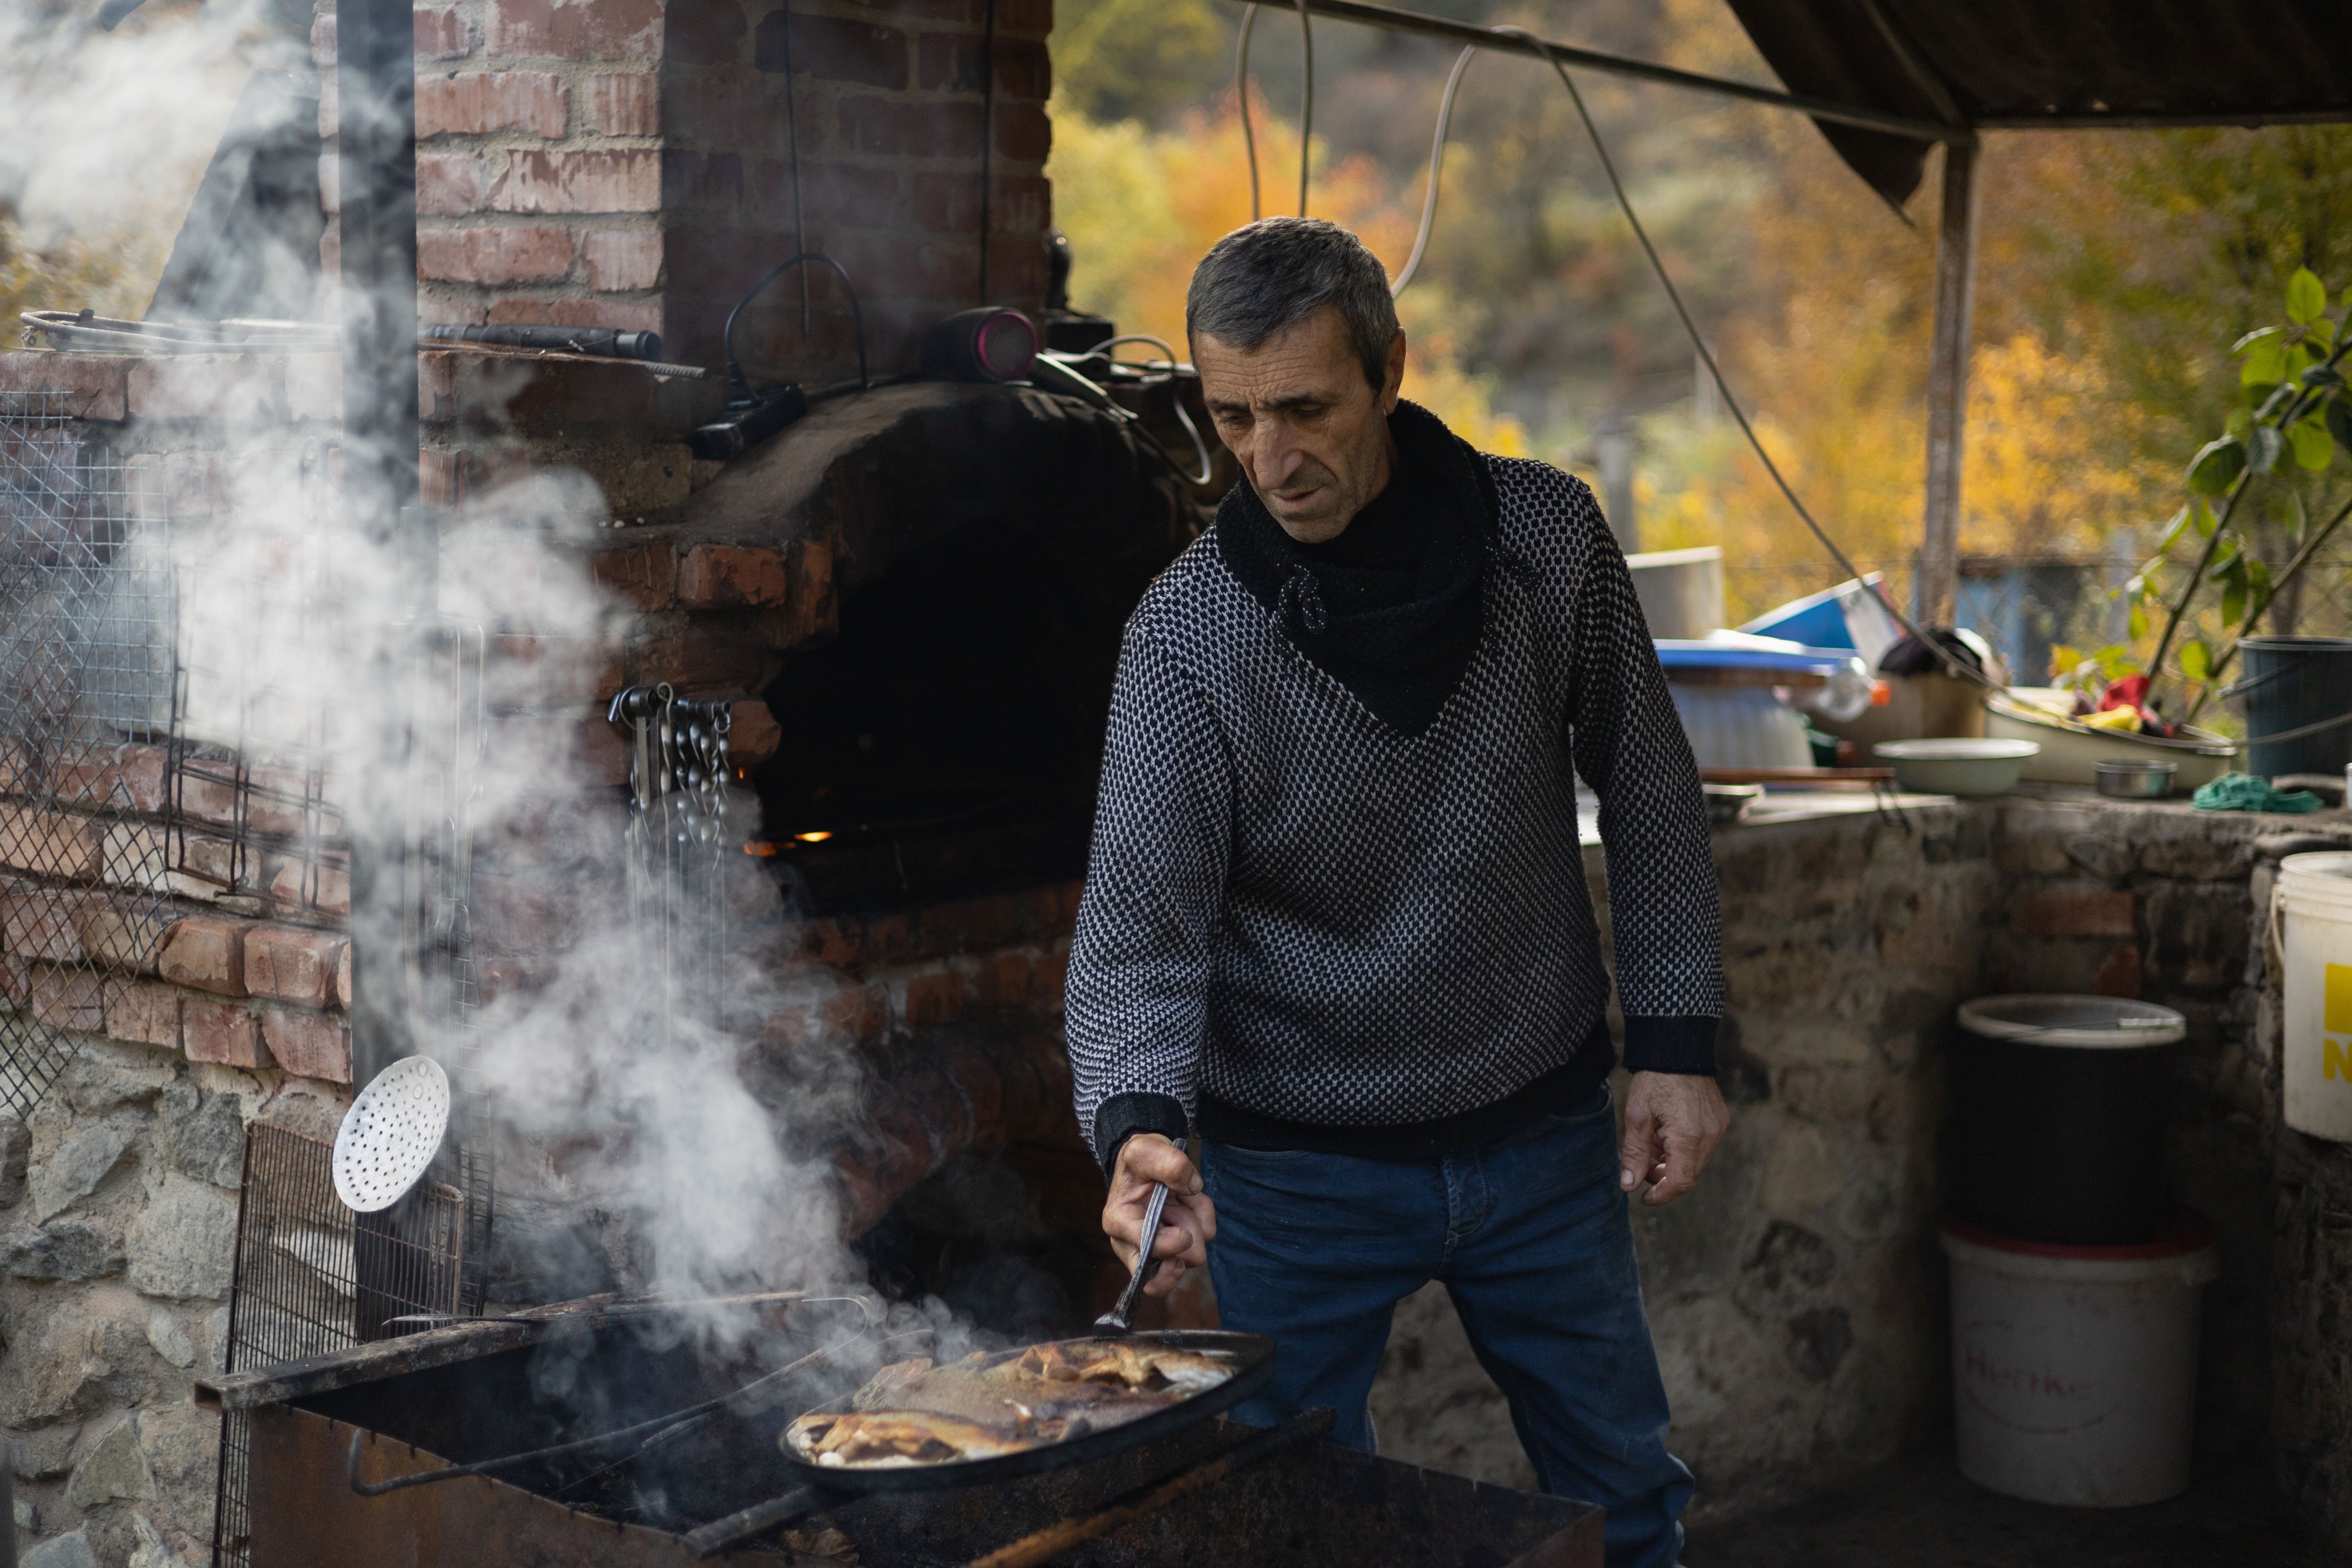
<point>1119,1318</point>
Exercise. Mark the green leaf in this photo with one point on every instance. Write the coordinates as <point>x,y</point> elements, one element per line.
<point>2217,465</point>
<point>2323,376</point>
<point>2139,622</point>
<point>2306,297</point>
<point>2263,444</point>
<point>2339,420</point>
<point>2265,365</point>
<point>2313,445</point>
<point>2224,562</point>
<point>2258,581</point>
<point>2118,661</point>
<point>2241,420</point>
<point>2196,659</point>
<point>2323,330</point>
<point>2234,601</point>
<point>2206,521</point>
<point>2179,526</point>
<point>2260,334</point>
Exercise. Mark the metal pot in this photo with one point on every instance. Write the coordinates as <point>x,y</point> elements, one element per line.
<point>2135,779</point>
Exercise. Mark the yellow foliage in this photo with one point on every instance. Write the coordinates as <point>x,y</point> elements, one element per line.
<point>1141,208</point>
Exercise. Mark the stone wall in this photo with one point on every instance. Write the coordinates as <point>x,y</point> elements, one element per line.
<point>1798,1296</point>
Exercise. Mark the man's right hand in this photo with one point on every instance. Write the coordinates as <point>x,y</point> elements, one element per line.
<point>1186,1227</point>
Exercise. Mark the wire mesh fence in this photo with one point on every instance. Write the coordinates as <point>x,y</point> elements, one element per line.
<point>311,1278</point>
<point>86,635</point>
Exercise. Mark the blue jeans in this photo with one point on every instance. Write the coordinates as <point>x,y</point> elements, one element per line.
<point>1530,1236</point>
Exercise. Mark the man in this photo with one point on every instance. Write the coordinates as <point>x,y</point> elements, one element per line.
<point>1335,918</point>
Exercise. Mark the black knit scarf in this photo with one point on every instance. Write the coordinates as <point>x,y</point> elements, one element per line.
<point>1391,608</point>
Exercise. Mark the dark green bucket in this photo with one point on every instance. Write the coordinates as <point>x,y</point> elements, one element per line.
<point>2293,687</point>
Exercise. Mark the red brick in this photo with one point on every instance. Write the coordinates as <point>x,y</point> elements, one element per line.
<point>68,999</point>
<point>219,1032</point>
<point>308,1045</point>
<point>49,843</point>
<point>703,32</point>
<point>309,882</point>
<point>576,30</point>
<point>755,736</point>
<point>1003,980</point>
<point>532,255</point>
<point>122,936</point>
<point>1024,68</point>
<point>291,963</point>
<point>830,194</point>
<point>646,576</point>
<point>747,115</point>
<point>475,103</point>
<point>2062,912</point>
<point>41,924</point>
<point>322,41</point>
<point>623,103</point>
<point>733,576</point>
<point>947,203</point>
<point>1024,16</point>
<point>16,980</point>
<point>858,1012</point>
<point>144,1011</point>
<point>707,180</point>
<point>1022,132</point>
<point>697,661</point>
<point>450,185</point>
<point>2120,974</point>
<point>124,778</point>
<point>950,62</point>
<point>629,316</point>
<point>623,258</point>
<point>343,978</point>
<point>831,49</point>
<point>206,953</point>
<point>934,998</point>
<point>922,130</point>
<point>441,35</point>
<point>612,181</point>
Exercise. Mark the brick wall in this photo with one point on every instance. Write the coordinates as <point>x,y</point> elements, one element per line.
<point>629,163</point>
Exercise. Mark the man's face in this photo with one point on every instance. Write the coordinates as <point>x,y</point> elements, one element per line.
<point>1311,432</point>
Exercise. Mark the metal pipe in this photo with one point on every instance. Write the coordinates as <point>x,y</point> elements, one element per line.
<point>376,76</point>
<point>1393,19</point>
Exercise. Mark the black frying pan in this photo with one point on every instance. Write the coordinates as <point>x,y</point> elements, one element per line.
<point>1251,1355</point>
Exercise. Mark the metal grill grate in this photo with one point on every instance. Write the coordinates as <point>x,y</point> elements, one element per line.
<point>677,845</point>
<point>300,1256</point>
<point>86,640</point>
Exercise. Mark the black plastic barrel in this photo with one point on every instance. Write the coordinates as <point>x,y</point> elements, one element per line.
<point>2292,683</point>
<point>2059,1106</point>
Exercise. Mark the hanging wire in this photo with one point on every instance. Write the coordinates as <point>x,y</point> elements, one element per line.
<point>1307,98</point>
<point>1436,162</point>
<point>793,139</point>
<point>1706,357</point>
<point>987,140</point>
<point>1240,91</point>
<point>1200,448</point>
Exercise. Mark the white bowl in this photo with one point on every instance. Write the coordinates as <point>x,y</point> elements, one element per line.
<point>1962,765</point>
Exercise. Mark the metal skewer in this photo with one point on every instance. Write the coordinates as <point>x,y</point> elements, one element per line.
<point>1119,1320</point>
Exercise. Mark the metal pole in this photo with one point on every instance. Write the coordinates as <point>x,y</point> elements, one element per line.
<point>377,129</point>
<point>1947,384</point>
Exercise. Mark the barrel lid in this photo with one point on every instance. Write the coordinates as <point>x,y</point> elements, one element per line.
<point>2186,1233</point>
<point>2096,1022</point>
<point>2318,863</point>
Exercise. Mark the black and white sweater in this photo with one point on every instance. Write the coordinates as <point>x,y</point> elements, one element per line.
<point>1303,927</point>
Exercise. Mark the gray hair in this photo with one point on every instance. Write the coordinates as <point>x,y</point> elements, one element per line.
<point>1277,271</point>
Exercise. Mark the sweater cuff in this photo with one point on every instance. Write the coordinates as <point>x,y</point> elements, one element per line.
<point>1675,1045</point>
<point>1122,1116</point>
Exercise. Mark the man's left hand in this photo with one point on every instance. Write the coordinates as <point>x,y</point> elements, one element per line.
<point>1672,1122</point>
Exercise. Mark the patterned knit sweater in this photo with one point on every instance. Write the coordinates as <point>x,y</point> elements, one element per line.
<point>1297,918</point>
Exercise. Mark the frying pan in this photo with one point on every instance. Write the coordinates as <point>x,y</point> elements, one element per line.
<point>1250,1355</point>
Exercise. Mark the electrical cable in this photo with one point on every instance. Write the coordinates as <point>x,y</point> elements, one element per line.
<point>1625,204</point>
<point>793,141</point>
<point>1307,98</point>
<point>987,139</point>
<point>737,388</point>
<point>1240,92</point>
<point>1200,448</point>
<point>1436,161</point>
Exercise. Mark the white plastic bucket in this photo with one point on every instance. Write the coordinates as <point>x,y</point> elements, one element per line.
<point>2075,1368</point>
<point>2313,895</point>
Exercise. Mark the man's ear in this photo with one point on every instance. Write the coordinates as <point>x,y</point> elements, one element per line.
<point>1392,380</point>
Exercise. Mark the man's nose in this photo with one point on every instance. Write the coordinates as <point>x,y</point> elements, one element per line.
<point>1276,457</point>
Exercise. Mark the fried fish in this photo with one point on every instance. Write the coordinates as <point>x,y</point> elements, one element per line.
<point>916,1413</point>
